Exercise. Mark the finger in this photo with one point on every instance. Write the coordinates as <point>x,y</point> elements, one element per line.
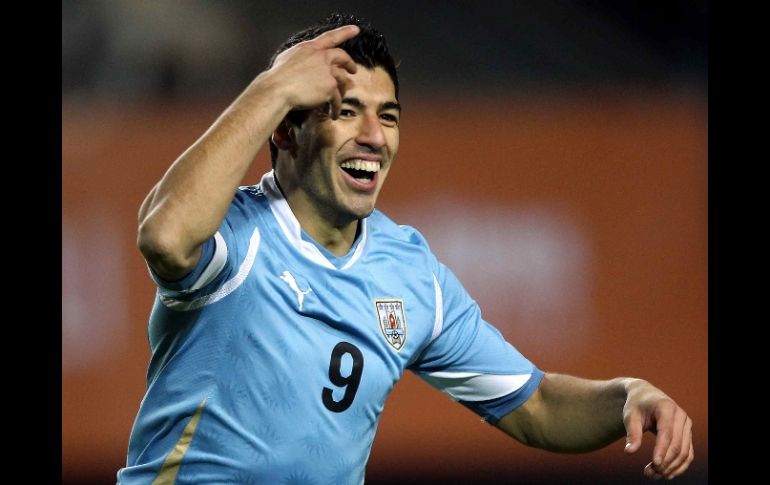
<point>664,425</point>
<point>633,424</point>
<point>672,451</point>
<point>684,455</point>
<point>338,57</point>
<point>684,466</point>
<point>678,454</point>
<point>333,38</point>
<point>650,473</point>
<point>343,80</point>
<point>335,104</point>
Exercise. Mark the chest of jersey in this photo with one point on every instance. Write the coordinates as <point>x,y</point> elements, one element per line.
<point>380,311</point>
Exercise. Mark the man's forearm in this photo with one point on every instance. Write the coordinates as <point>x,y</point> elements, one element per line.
<point>192,198</point>
<point>570,414</point>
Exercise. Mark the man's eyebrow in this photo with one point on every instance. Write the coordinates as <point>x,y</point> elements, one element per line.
<point>391,105</point>
<point>356,103</point>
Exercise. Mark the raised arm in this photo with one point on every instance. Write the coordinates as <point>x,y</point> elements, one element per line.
<point>570,414</point>
<point>186,207</point>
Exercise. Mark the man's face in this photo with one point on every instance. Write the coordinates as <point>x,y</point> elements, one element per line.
<point>341,164</point>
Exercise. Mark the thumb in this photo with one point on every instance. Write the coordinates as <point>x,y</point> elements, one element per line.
<point>633,424</point>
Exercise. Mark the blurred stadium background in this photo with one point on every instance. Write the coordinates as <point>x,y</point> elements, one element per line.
<point>554,153</point>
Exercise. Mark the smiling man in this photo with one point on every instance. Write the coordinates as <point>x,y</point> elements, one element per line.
<point>287,310</point>
<point>331,171</point>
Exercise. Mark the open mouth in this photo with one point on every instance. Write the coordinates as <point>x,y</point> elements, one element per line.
<point>363,171</point>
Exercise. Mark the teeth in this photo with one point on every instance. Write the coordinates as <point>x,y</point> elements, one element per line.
<point>366,165</point>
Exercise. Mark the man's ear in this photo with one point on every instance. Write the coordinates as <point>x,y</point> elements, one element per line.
<point>283,137</point>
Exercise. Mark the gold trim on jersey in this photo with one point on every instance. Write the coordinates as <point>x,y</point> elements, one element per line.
<point>170,469</point>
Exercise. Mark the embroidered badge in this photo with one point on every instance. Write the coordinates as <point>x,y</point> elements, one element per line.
<point>390,317</point>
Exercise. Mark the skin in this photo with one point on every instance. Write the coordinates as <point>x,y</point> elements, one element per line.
<point>569,414</point>
<point>186,207</point>
<point>355,116</point>
<point>323,197</point>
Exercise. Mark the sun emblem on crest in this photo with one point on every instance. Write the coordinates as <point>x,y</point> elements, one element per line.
<point>392,321</point>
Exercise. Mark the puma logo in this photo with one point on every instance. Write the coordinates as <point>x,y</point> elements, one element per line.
<point>288,278</point>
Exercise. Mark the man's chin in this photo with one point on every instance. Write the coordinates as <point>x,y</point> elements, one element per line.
<point>361,213</point>
<point>360,209</point>
<point>345,215</point>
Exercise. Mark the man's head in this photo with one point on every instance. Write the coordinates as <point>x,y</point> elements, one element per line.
<point>331,168</point>
<point>368,49</point>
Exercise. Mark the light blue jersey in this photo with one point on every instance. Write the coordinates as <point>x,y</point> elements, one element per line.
<point>271,362</point>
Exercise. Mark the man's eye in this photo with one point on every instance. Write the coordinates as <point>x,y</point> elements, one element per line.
<point>389,118</point>
<point>347,112</point>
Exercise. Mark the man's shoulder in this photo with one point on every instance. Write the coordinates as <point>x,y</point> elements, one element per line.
<point>250,196</point>
<point>247,209</point>
<point>252,191</point>
<point>385,227</point>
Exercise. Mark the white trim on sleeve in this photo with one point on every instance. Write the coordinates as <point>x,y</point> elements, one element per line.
<point>473,386</point>
<point>438,322</point>
<point>228,287</point>
<point>216,264</point>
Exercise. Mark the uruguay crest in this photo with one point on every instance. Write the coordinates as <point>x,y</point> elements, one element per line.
<point>390,316</point>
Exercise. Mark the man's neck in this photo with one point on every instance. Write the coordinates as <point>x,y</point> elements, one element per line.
<point>336,236</point>
<point>337,239</point>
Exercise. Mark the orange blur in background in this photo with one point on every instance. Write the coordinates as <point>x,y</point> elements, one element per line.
<point>579,224</point>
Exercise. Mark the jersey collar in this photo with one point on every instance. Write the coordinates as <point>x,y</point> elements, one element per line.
<point>293,232</point>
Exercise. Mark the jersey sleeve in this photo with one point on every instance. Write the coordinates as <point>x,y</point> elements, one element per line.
<point>221,255</point>
<point>469,359</point>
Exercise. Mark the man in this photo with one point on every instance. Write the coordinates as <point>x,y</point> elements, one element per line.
<point>286,311</point>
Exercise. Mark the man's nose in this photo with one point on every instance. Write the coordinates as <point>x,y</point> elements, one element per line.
<point>370,131</point>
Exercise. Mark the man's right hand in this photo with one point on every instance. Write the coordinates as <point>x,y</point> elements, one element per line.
<point>315,72</point>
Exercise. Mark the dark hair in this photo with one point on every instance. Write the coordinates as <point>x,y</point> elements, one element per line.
<point>368,49</point>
